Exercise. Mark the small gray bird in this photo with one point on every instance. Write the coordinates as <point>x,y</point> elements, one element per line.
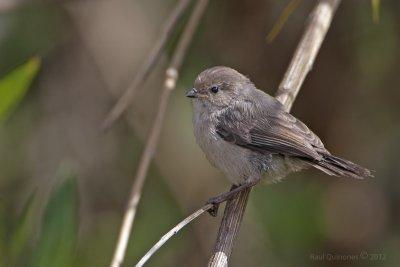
<point>246,133</point>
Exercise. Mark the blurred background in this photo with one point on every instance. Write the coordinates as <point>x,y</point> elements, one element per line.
<point>64,184</point>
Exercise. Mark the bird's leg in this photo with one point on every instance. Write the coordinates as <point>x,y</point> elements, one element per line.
<point>215,201</point>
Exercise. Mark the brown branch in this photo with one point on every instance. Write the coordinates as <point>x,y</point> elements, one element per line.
<point>144,71</point>
<point>299,67</point>
<point>171,77</point>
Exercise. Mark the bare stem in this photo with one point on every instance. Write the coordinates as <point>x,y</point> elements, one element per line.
<point>171,233</point>
<point>151,143</point>
<point>144,71</point>
<point>302,61</point>
<point>306,52</point>
<point>229,228</point>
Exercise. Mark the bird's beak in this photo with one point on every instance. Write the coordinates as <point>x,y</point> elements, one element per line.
<point>192,93</point>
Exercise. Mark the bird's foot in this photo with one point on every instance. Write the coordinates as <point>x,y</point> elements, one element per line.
<point>215,201</point>
<point>233,193</point>
<point>213,211</point>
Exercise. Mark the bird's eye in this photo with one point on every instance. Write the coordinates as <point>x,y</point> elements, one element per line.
<point>214,89</point>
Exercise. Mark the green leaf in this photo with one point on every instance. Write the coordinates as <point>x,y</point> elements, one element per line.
<point>3,229</point>
<point>287,11</point>
<point>15,84</point>
<point>375,10</point>
<point>22,231</point>
<point>57,242</point>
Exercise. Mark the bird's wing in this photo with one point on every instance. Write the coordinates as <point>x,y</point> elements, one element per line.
<point>267,131</point>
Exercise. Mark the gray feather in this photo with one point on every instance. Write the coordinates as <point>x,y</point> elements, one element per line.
<point>268,129</point>
<point>274,131</point>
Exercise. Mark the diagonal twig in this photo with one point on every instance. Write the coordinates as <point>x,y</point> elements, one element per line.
<point>306,52</point>
<point>144,71</point>
<point>171,77</point>
<point>299,67</point>
<point>171,233</point>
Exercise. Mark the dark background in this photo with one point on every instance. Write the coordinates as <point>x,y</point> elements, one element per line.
<point>64,184</point>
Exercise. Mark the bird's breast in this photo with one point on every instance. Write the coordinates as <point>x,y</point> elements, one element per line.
<point>234,161</point>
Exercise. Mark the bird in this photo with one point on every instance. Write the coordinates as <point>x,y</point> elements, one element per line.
<point>248,135</point>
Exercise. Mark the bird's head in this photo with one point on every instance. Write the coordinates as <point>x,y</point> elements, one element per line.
<point>218,86</point>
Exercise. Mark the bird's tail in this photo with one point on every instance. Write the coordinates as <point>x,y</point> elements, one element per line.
<point>341,167</point>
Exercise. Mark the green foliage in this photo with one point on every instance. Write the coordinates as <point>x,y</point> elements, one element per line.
<point>3,246</point>
<point>375,10</point>
<point>290,214</point>
<point>55,244</point>
<point>22,231</point>
<point>15,234</point>
<point>278,25</point>
<point>15,84</point>
<point>32,28</point>
<point>59,228</point>
<point>376,51</point>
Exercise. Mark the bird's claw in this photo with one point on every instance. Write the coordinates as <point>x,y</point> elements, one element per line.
<point>213,211</point>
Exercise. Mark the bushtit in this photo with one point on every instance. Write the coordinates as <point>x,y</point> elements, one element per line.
<point>248,135</point>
